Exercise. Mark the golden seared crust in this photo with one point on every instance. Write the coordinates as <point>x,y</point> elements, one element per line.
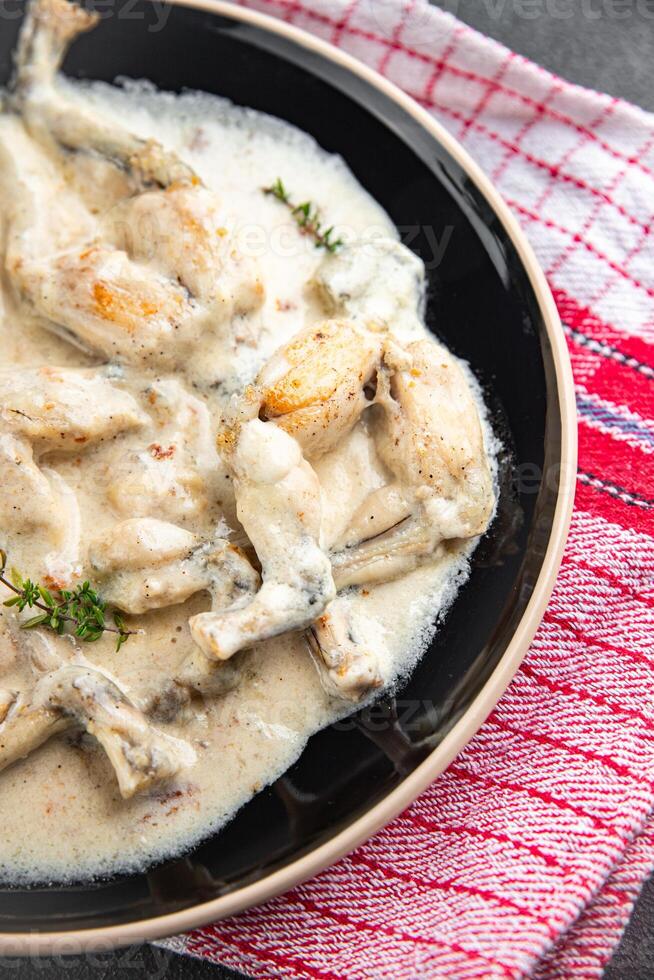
<point>314,387</point>
<point>327,358</point>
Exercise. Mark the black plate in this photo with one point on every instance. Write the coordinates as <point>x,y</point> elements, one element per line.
<point>483,306</point>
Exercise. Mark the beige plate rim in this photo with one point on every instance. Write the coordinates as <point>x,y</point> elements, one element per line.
<point>43,943</point>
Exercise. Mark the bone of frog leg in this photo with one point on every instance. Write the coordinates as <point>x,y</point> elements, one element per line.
<point>47,31</point>
<point>348,667</point>
<point>233,584</point>
<point>65,409</point>
<point>390,555</point>
<point>139,753</point>
<point>375,280</point>
<point>429,435</point>
<point>315,387</point>
<point>278,504</point>
<point>49,28</point>
<point>380,511</point>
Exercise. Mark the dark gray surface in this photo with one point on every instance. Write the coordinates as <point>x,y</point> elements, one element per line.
<point>607,45</point>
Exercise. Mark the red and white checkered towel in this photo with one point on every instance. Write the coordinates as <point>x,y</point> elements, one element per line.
<point>526,856</point>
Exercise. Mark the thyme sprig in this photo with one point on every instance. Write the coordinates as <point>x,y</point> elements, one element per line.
<point>82,607</point>
<point>306,216</point>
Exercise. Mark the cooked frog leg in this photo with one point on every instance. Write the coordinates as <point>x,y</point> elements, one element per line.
<point>348,667</point>
<point>46,33</point>
<point>69,695</point>
<point>178,230</point>
<point>145,564</point>
<point>278,504</point>
<point>53,409</point>
<point>425,424</point>
<point>428,430</point>
<point>89,292</point>
<point>374,281</point>
<point>28,500</point>
<point>232,584</point>
<point>183,233</point>
<point>139,753</point>
<point>26,729</point>
<point>49,29</point>
<point>65,409</point>
<point>428,434</point>
<point>142,281</point>
<point>314,387</point>
<point>430,437</point>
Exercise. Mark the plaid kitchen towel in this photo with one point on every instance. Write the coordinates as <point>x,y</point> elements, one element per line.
<point>526,856</point>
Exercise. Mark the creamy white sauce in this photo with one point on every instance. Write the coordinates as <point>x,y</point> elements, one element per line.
<point>61,814</point>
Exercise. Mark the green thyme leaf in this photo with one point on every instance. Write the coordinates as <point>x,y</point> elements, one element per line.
<point>30,624</point>
<point>306,216</point>
<point>81,609</point>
